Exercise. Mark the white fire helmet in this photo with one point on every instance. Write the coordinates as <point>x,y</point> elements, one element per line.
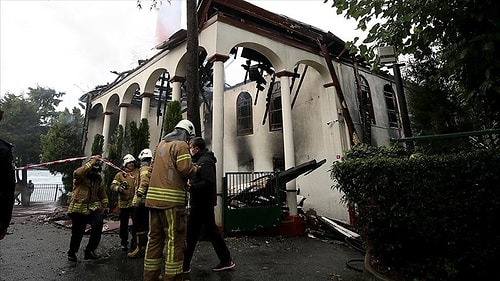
<point>127,159</point>
<point>145,153</point>
<point>186,125</point>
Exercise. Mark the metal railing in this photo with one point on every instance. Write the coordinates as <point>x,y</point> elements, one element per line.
<point>452,143</point>
<point>251,189</point>
<point>46,192</point>
<point>251,201</point>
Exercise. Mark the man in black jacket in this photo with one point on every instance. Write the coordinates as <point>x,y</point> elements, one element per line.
<point>203,199</point>
<point>8,179</point>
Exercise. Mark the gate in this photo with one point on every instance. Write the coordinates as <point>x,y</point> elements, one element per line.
<point>251,201</point>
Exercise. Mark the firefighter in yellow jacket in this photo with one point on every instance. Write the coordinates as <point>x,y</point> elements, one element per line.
<point>140,218</point>
<point>88,203</point>
<point>166,199</point>
<point>126,183</point>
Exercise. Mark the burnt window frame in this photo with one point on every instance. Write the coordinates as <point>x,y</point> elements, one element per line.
<point>365,90</point>
<point>392,106</point>
<point>275,114</point>
<point>244,103</point>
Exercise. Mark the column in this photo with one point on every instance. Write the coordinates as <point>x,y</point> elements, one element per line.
<point>338,123</point>
<point>146,101</point>
<point>288,144</point>
<point>218,129</point>
<point>105,131</point>
<point>123,115</point>
<point>176,87</point>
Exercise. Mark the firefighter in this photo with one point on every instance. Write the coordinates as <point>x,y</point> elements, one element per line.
<point>140,218</point>
<point>88,204</point>
<point>125,184</point>
<point>166,199</point>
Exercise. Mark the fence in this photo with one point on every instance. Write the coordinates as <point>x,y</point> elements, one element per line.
<point>251,201</point>
<point>46,192</point>
<point>452,143</point>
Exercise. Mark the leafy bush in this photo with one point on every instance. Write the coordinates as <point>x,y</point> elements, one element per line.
<point>425,217</point>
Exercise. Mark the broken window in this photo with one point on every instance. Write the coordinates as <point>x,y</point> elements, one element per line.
<point>244,114</point>
<point>278,164</point>
<point>392,109</point>
<point>366,101</point>
<point>275,116</point>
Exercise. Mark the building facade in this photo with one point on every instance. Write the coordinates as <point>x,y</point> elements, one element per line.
<point>302,98</point>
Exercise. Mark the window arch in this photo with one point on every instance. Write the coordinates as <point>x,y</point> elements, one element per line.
<point>365,101</point>
<point>244,114</point>
<point>275,115</point>
<point>392,106</point>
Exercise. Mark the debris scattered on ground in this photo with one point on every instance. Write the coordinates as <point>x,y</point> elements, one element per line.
<point>326,228</point>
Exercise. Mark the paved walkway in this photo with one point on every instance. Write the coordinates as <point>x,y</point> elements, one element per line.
<point>36,250</point>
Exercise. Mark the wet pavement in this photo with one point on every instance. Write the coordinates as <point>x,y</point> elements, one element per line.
<point>36,249</point>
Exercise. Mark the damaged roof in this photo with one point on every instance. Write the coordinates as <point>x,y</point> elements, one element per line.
<point>281,28</point>
<point>247,16</point>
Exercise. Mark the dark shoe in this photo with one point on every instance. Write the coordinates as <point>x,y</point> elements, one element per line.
<point>91,255</point>
<point>72,256</point>
<point>124,248</point>
<point>224,266</point>
<point>137,252</point>
<point>187,271</point>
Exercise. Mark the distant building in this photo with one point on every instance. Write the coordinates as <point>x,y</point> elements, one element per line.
<point>300,118</point>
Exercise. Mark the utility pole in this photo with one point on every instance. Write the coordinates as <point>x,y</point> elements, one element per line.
<point>403,109</point>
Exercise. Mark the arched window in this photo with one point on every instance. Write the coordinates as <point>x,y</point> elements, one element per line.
<point>365,101</point>
<point>392,106</point>
<point>275,116</point>
<point>244,114</point>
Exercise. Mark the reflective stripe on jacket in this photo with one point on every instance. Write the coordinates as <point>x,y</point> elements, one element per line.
<point>131,178</point>
<point>171,169</point>
<point>88,195</point>
<point>144,176</point>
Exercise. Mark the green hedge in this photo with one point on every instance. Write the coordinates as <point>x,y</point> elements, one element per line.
<point>426,217</point>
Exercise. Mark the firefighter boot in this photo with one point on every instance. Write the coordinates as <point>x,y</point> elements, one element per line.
<point>140,249</point>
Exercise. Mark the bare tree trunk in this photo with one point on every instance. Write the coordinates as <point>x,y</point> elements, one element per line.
<point>192,76</point>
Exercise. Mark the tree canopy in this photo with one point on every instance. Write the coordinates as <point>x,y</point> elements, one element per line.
<point>25,117</point>
<point>459,38</point>
<point>21,126</point>
<point>62,141</point>
<point>47,100</point>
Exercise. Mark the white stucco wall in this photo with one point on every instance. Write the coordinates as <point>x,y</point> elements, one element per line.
<point>319,131</point>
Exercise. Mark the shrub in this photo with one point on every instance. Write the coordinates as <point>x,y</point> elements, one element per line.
<point>426,217</point>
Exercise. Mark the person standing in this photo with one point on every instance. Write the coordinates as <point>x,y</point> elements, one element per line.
<point>140,218</point>
<point>8,177</point>
<point>88,204</point>
<point>167,199</point>
<point>31,189</point>
<point>203,200</point>
<point>125,184</point>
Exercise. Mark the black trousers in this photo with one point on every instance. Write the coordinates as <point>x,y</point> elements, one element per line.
<point>204,218</point>
<point>79,223</point>
<point>141,219</point>
<point>125,214</point>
